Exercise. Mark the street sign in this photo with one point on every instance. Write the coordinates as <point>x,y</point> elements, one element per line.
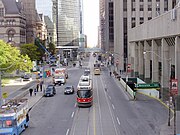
<point>129,68</point>
<point>5,95</point>
<point>174,86</point>
<point>147,85</point>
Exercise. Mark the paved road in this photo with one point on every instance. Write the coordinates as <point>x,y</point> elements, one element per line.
<point>111,114</point>
<point>54,115</point>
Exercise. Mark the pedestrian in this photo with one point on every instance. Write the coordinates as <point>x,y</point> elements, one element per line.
<point>110,73</point>
<point>30,92</point>
<point>41,83</point>
<point>35,91</point>
<point>37,87</point>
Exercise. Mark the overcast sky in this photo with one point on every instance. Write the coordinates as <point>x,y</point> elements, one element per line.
<point>91,17</point>
<point>91,21</point>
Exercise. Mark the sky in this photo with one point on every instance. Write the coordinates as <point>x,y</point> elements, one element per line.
<point>91,18</point>
<point>91,21</point>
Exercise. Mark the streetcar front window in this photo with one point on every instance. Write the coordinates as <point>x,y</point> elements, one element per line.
<point>84,94</point>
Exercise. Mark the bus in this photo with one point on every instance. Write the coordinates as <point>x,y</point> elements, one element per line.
<point>97,69</point>
<point>14,117</point>
<point>84,93</point>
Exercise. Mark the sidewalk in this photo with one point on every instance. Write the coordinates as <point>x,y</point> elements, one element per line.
<point>33,100</point>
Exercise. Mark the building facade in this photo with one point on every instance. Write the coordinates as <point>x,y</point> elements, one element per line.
<point>155,50</point>
<point>102,24</point>
<point>41,28</point>
<point>51,33</point>
<point>66,15</point>
<point>106,25</point>
<point>129,14</point>
<point>12,22</point>
<point>29,7</point>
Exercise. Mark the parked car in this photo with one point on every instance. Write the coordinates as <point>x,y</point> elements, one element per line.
<point>69,90</point>
<point>26,77</point>
<point>50,90</point>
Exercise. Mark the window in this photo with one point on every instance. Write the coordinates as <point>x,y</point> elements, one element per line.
<point>1,12</point>
<point>11,35</point>
<point>141,20</point>
<point>149,7</point>
<point>149,18</point>
<point>141,8</point>
<point>133,24</point>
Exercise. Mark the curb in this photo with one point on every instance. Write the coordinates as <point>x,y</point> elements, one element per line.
<point>24,93</point>
<point>30,108</point>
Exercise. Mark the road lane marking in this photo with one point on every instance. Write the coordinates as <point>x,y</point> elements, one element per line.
<point>94,119</point>
<point>75,104</point>
<point>100,117</point>
<point>118,121</point>
<point>113,106</point>
<point>113,120</point>
<point>67,132</point>
<point>72,115</point>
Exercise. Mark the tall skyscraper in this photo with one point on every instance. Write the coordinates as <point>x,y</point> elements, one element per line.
<point>66,15</point>
<point>68,21</point>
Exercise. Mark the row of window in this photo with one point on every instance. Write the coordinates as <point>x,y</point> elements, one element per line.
<point>141,8</point>
<point>7,22</point>
<point>133,24</point>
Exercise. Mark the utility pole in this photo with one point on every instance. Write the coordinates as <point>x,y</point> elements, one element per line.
<point>126,73</point>
<point>169,116</point>
<point>174,102</point>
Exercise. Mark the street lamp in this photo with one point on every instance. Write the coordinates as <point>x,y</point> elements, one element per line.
<point>169,60</point>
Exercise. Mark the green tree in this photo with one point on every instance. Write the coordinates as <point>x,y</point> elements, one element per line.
<point>52,48</point>
<point>31,50</point>
<point>41,47</point>
<point>11,59</point>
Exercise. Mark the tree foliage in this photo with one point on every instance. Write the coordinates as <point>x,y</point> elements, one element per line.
<point>52,48</point>
<point>11,59</point>
<point>31,50</point>
<point>41,47</point>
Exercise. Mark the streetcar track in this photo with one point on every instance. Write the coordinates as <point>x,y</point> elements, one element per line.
<point>76,120</point>
<point>111,113</point>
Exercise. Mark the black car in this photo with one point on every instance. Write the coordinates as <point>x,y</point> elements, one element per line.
<point>69,90</point>
<point>50,91</point>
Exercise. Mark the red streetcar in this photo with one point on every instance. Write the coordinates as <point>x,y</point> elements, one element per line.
<point>84,97</point>
<point>84,92</point>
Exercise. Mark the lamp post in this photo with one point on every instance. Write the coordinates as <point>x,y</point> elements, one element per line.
<point>169,60</point>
